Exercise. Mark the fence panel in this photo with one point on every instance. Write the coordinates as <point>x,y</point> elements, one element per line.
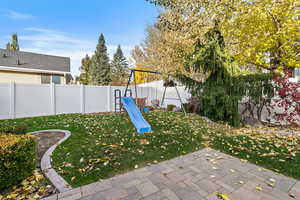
<point>29,100</point>
<point>32,100</point>
<point>96,99</point>
<point>5,102</point>
<point>67,99</point>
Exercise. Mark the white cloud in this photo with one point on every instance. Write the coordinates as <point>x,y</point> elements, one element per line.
<point>58,43</point>
<point>38,29</point>
<point>17,15</point>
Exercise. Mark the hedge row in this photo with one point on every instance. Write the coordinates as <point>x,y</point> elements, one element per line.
<point>17,158</point>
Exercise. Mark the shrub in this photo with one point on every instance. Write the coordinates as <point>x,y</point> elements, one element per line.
<point>15,129</point>
<point>285,106</point>
<point>17,158</point>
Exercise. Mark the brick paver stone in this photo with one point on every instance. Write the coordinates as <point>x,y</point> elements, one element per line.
<point>147,188</point>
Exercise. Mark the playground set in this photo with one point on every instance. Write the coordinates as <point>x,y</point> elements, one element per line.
<point>134,108</point>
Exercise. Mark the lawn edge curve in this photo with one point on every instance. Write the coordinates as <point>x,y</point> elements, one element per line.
<point>58,182</point>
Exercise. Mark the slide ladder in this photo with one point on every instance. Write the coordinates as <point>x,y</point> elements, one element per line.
<point>136,117</point>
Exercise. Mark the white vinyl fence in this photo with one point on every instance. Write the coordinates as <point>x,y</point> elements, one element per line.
<point>28,100</point>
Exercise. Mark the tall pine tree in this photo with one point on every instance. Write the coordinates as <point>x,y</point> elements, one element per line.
<point>85,75</point>
<point>100,67</point>
<point>119,66</point>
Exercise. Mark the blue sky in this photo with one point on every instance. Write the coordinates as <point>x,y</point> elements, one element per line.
<point>71,28</point>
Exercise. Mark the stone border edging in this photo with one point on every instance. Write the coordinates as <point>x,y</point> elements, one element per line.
<point>281,132</point>
<point>59,182</point>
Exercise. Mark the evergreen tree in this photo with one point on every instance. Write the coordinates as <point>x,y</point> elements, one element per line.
<point>119,66</point>
<point>218,103</point>
<point>100,67</point>
<point>14,45</point>
<point>85,75</point>
<point>225,84</point>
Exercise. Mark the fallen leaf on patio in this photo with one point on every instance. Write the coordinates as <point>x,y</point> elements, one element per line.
<point>272,180</point>
<point>240,182</point>
<point>223,196</point>
<point>271,184</point>
<point>292,195</point>
<point>259,188</point>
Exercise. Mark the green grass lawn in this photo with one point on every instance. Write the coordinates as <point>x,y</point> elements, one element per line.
<point>102,146</point>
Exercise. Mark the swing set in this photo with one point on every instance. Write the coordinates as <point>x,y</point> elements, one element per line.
<point>128,91</point>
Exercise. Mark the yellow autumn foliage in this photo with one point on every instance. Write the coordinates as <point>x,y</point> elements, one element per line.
<point>258,33</point>
<point>7,141</point>
<point>17,158</point>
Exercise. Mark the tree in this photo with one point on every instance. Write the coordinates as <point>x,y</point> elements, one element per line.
<point>14,44</point>
<point>225,84</point>
<point>100,67</point>
<point>119,66</point>
<point>138,55</point>
<point>164,50</point>
<point>85,75</point>
<point>260,33</point>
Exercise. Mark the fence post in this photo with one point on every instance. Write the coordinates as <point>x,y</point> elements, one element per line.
<point>82,98</point>
<point>13,100</point>
<point>53,98</point>
<point>109,98</point>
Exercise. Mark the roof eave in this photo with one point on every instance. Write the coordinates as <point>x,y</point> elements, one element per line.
<point>27,70</point>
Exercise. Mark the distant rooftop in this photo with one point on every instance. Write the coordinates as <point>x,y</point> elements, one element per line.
<point>28,60</point>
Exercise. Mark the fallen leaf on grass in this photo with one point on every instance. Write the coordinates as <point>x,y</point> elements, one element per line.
<point>81,160</point>
<point>144,141</point>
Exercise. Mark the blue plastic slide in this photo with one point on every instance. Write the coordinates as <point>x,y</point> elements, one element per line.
<point>141,125</point>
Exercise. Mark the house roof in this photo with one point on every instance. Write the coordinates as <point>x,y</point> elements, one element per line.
<point>27,61</point>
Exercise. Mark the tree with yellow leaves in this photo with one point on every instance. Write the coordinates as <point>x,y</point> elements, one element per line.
<point>260,33</point>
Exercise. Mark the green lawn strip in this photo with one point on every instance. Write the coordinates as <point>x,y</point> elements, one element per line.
<point>102,146</point>
<point>278,153</point>
<point>112,146</point>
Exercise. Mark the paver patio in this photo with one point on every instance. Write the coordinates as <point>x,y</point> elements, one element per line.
<point>195,176</point>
